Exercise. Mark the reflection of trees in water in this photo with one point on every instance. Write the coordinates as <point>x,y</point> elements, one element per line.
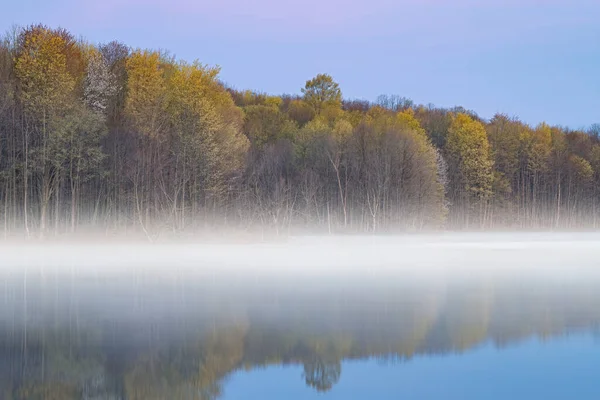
<point>189,356</point>
<point>322,375</point>
<point>191,370</point>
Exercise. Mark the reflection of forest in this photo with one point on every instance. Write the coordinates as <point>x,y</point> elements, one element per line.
<point>145,338</point>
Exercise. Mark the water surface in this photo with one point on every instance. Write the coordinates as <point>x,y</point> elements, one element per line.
<point>440,326</point>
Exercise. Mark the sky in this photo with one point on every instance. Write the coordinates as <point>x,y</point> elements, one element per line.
<point>538,60</point>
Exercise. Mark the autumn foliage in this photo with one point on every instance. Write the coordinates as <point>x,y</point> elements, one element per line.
<point>112,138</point>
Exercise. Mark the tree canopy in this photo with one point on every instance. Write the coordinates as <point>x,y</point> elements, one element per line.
<point>119,139</point>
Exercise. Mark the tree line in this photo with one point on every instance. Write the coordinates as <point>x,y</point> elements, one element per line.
<point>130,140</point>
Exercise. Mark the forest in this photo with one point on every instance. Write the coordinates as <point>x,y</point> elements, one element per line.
<point>113,139</point>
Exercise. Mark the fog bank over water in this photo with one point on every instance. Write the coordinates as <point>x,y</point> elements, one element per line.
<point>322,254</point>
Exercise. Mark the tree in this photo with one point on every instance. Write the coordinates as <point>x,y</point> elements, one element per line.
<point>146,92</point>
<point>400,177</point>
<point>9,139</point>
<point>83,132</point>
<point>47,88</point>
<point>436,123</point>
<point>394,102</point>
<point>115,55</point>
<point>504,135</point>
<point>264,124</point>
<point>300,111</point>
<point>209,146</point>
<point>145,108</point>
<point>100,84</point>
<point>469,152</point>
<point>336,152</point>
<point>594,131</point>
<point>321,91</point>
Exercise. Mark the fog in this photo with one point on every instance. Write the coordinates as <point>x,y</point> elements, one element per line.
<point>321,254</point>
<point>143,284</point>
<point>132,281</point>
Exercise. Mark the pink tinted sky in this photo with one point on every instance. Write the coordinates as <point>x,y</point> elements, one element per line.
<point>538,59</point>
<point>335,17</point>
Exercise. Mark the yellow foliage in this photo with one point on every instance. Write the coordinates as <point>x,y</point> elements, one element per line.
<point>376,112</point>
<point>331,113</point>
<point>41,67</point>
<point>315,127</point>
<point>300,111</point>
<point>263,124</point>
<point>536,147</point>
<point>273,101</point>
<point>403,122</point>
<point>322,91</point>
<point>205,121</point>
<point>342,128</point>
<point>407,119</point>
<point>189,95</point>
<point>582,168</point>
<point>468,145</point>
<point>146,92</point>
<point>504,136</point>
<point>355,117</point>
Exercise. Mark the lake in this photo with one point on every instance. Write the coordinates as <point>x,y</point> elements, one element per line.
<point>444,317</point>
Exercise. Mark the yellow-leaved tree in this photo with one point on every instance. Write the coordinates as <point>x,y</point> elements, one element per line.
<point>402,178</point>
<point>322,91</point>
<point>47,91</point>
<point>145,109</point>
<point>208,141</point>
<point>146,93</point>
<point>468,151</point>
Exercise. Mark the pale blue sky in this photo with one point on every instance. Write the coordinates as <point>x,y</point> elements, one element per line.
<point>536,59</point>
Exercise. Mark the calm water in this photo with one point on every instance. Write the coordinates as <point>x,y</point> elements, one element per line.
<point>518,331</point>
